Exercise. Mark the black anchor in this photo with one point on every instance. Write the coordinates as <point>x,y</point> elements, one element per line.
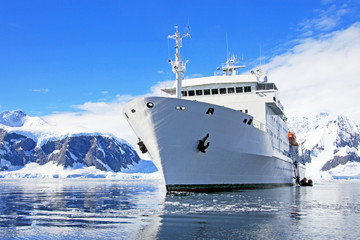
<point>142,146</point>
<point>202,146</point>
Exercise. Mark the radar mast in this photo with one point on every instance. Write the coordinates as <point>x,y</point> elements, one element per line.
<point>178,67</point>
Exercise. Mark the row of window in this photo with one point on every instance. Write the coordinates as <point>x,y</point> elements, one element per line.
<point>211,111</point>
<point>215,91</point>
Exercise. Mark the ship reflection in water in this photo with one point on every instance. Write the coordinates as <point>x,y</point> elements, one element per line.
<point>104,209</point>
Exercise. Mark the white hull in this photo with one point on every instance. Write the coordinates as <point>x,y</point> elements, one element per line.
<point>239,155</point>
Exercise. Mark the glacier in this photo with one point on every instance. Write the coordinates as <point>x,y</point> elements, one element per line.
<point>329,145</point>
<point>142,170</point>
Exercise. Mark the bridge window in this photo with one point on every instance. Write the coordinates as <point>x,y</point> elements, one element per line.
<point>247,89</point>
<point>214,91</point>
<point>239,90</point>
<point>199,92</point>
<point>206,91</point>
<point>191,93</point>
<point>231,90</point>
<point>184,93</point>
<point>222,90</point>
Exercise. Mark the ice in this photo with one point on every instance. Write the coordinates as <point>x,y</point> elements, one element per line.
<point>51,170</point>
<point>351,170</point>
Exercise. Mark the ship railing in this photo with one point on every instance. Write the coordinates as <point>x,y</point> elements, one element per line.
<point>277,101</point>
<point>259,125</point>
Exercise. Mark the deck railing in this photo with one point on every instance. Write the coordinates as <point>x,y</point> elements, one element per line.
<point>259,125</point>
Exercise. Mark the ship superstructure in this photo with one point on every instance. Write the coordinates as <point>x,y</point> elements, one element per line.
<point>220,132</point>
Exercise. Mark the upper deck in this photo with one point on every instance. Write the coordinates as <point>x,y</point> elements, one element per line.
<point>249,93</point>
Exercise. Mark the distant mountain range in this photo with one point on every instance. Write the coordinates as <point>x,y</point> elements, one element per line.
<point>329,145</point>
<point>25,140</point>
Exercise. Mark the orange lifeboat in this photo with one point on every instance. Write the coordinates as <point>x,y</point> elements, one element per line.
<point>292,139</point>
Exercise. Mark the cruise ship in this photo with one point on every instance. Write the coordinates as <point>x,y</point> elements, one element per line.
<point>221,132</point>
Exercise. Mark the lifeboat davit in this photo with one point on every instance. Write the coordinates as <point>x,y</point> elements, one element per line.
<point>292,139</point>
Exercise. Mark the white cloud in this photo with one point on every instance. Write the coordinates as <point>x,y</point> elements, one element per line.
<point>156,89</point>
<point>195,75</point>
<point>95,117</point>
<point>41,90</point>
<point>160,71</point>
<point>321,74</point>
<point>327,20</point>
<point>104,92</point>
<point>104,117</point>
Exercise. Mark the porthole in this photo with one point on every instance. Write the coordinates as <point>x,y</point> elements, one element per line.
<point>150,105</point>
<point>133,110</point>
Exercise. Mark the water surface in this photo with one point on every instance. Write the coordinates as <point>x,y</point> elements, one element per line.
<point>114,209</point>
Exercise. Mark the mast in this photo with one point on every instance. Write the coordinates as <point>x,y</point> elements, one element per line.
<point>230,67</point>
<point>178,67</point>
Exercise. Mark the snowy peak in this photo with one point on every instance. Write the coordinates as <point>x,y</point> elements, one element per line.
<point>324,129</point>
<point>18,119</point>
<point>348,132</point>
<point>13,118</point>
<point>328,143</point>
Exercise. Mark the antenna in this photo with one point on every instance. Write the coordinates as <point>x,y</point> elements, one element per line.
<point>187,29</point>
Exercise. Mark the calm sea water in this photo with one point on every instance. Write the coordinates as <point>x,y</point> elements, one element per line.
<point>114,209</point>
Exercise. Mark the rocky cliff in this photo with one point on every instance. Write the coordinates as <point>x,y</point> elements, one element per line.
<point>19,147</point>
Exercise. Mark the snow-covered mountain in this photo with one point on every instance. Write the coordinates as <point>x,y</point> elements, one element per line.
<point>25,140</point>
<point>329,145</point>
<point>13,119</point>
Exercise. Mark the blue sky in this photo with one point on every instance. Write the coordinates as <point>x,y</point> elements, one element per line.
<point>60,56</point>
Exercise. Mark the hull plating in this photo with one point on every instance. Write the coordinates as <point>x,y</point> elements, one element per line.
<point>239,155</point>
